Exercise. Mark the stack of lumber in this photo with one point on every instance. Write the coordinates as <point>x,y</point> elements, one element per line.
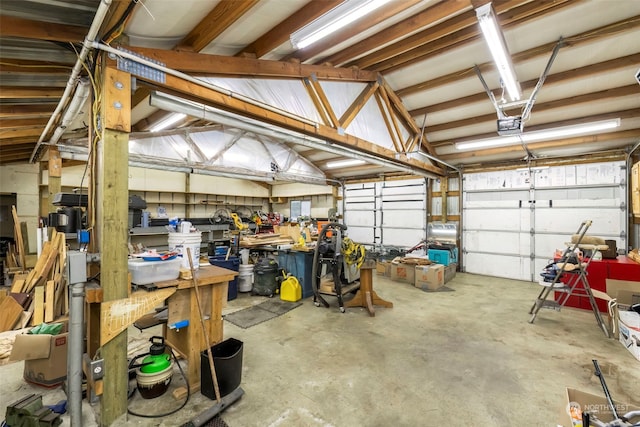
<point>265,240</point>
<point>44,285</point>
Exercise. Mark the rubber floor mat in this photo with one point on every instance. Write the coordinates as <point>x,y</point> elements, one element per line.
<point>267,310</point>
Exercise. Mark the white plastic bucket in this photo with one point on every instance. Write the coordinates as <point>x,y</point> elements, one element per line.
<point>181,241</point>
<point>245,278</point>
<point>244,256</point>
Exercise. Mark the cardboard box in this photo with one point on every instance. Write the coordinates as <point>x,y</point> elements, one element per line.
<point>625,293</point>
<point>45,357</point>
<point>450,272</point>
<point>429,277</point>
<point>629,331</point>
<point>577,401</point>
<point>383,268</point>
<point>402,272</point>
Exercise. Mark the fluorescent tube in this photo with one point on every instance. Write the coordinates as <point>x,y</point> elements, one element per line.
<point>170,120</point>
<point>337,18</point>
<point>541,135</point>
<point>344,163</point>
<point>498,47</point>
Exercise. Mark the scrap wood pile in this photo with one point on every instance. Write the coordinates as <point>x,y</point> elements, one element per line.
<point>16,257</point>
<point>39,295</point>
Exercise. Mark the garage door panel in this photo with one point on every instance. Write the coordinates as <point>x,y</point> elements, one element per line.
<point>396,205</point>
<point>511,267</point>
<point>500,242</point>
<point>413,219</point>
<point>508,219</point>
<point>361,234</point>
<point>357,218</point>
<point>394,211</point>
<point>559,220</point>
<point>402,237</point>
<point>362,206</point>
<point>565,197</point>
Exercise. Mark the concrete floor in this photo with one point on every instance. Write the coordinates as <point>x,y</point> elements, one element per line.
<point>461,357</point>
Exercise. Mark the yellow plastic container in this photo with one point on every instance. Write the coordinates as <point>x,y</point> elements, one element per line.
<point>290,290</point>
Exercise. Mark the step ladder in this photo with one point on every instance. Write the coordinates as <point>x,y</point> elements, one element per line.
<point>576,281</point>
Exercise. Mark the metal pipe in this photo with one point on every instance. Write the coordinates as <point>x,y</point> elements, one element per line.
<point>99,17</point>
<point>532,99</point>
<point>75,351</point>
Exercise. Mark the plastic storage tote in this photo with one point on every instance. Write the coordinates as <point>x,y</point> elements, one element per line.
<point>146,272</point>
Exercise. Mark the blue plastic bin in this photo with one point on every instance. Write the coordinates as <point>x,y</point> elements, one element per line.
<point>299,264</point>
<point>443,256</point>
<point>233,263</point>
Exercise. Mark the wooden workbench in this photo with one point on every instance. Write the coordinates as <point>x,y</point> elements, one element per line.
<point>190,342</point>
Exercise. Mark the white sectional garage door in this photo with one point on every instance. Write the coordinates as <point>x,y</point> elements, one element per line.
<point>391,213</point>
<point>513,221</point>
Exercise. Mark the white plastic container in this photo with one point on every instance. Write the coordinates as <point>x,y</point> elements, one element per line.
<point>146,272</point>
<point>181,241</point>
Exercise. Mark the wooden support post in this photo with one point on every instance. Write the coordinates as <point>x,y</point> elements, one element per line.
<point>444,187</point>
<point>112,192</point>
<point>55,175</point>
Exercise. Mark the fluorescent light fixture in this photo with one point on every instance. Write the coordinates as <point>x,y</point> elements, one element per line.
<point>344,163</point>
<point>541,135</point>
<point>337,18</point>
<point>498,47</point>
<point>170,120</point>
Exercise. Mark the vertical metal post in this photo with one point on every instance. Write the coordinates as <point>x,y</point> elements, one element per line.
<point>75,351</point>
<point>76,277</point>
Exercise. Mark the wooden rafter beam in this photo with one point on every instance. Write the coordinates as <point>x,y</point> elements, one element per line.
<point>200,64</point>
<point>358,104</point>
<point>223,15</point>
<point>281,32</point>
<point>25,111</point>
<point>19,133</point>
<point>14,92</point>
<point>13,26</point>
<point>394,129</point>
<point>139,95</point>
<point>324,102</point>
<point>579,140</point>
<point>22,124</point>
<point>564,102</point>
<point>12,142</point>
<point>114,15</point>
<point>440,38</point>
<point>391,9</point>
<point>23,66</point>
<point>223,101</point>
<point>382,105</point>
<point>400,30</point>
<point>564,76</point>
<point>543,50</point>
<point>326,120</point>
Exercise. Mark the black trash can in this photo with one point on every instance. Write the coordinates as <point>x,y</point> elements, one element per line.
<point>227,361</point>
